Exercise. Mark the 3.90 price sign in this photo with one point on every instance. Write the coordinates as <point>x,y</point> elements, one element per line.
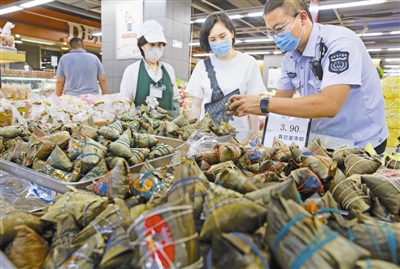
<point>291,128</point>
<point>288,129</point>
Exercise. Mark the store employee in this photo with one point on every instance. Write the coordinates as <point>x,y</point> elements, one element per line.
<point>149,77</point>
<point>343,96</point>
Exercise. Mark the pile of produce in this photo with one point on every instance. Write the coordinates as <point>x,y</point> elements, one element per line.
<point>80,152</point>
<point>228,205</point>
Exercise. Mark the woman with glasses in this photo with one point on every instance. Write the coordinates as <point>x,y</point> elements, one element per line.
<point>222,74</point>
<point>333,72</point>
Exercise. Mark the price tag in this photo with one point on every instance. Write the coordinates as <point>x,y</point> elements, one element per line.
<point>54,60</point>
<point>288,129</point>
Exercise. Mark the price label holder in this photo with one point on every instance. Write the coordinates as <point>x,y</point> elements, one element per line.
<point>287,129</point>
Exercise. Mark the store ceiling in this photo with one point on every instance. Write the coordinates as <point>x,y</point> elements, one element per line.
<point>379,18</point>
<point>384,17</point>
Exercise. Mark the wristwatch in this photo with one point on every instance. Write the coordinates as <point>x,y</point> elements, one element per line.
<point>264,104</point>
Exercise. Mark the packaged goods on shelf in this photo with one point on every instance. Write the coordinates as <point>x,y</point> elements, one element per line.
<point>391,92</point>
<point>10,115</point>
<point>185,98</point>
<point>227,204</point>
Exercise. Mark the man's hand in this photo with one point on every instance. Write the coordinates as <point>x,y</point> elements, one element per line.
<point>244,104</point>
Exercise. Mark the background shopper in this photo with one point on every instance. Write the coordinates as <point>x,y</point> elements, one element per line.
<point>78,72</point>
<point>224,73</point>
<point>345,100</point>
<point>151,77</point>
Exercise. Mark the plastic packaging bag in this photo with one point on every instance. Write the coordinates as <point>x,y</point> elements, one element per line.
<point>23,194</point>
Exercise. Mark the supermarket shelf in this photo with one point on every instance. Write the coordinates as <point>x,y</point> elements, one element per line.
<point>41,179</point>
<point>6,57</point>
<point>29,78</point>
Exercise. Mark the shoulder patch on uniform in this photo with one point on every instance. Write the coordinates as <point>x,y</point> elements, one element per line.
<point>292,75</point>
<point>339,62</point>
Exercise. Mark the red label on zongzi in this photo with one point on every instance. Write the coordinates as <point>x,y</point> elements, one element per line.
<point>159,240</point>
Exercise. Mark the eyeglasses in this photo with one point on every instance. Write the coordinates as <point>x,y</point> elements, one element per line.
<point>279,31</point>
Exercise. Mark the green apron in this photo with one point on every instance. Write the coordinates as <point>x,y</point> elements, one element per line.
<point>143,90</point>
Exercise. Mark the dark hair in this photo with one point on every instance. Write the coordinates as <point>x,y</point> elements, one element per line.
<point>140,42</point>
<point>76,43</point>
<point>209,23</point>
<point>289,7</point>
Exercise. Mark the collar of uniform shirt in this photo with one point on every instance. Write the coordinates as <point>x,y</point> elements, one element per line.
<point>155,77</point>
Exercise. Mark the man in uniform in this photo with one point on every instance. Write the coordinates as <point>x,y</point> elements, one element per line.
<point>78,72</point>
<point>333,72</point>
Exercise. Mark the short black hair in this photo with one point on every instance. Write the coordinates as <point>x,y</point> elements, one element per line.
<point>76,43</point>
<point>290,7</point>
<point>209,23</point>
<point>140,42</point>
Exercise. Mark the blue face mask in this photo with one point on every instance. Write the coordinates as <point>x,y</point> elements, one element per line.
<point>286,41</point>
<point>221,47</point>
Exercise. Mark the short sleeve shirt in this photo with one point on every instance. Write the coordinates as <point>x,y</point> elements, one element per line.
<point>346,61</point>
<point>241,72</point>
<point>80,70</point>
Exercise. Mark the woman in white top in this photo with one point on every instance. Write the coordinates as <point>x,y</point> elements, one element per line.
<point>224,73</point>
<point>150,77</point>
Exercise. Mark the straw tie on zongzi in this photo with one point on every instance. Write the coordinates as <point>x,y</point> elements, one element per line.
<point>299,241</point>
<point>348,193</point>
<point>60,249</point>
<point>112,131</point>
<point>166,237</point>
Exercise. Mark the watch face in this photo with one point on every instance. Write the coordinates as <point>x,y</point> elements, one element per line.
<point>264,105</point>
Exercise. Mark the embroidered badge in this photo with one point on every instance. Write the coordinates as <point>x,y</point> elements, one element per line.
<point>339,62</point>
<point>292,75</point>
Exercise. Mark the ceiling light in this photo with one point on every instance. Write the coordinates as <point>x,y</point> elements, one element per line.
<point>277,52</point>
<point>232,17</point>
<point>64,48</point>
<point>395,33</point>
<point>376,60</point>
<point>38,42</point>
<point>392,70</point>
<point>374,50</point>
<point>351,4</point>
<point>194,44</point>
<point>254,14</point>
<point>391,66</point>
<point>370,34</point>
<point>35,3</point>
<point>17,39</point>
<point>9,9</point>
<point>201,54</point>
<point>392,60</point>
<point>392,49</point>
<point>200,20</point>
<point>259,40</point>
<point>257,52</point>
<point>238,41</point>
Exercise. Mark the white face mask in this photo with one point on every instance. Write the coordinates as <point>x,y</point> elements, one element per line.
<point>153,54</point>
